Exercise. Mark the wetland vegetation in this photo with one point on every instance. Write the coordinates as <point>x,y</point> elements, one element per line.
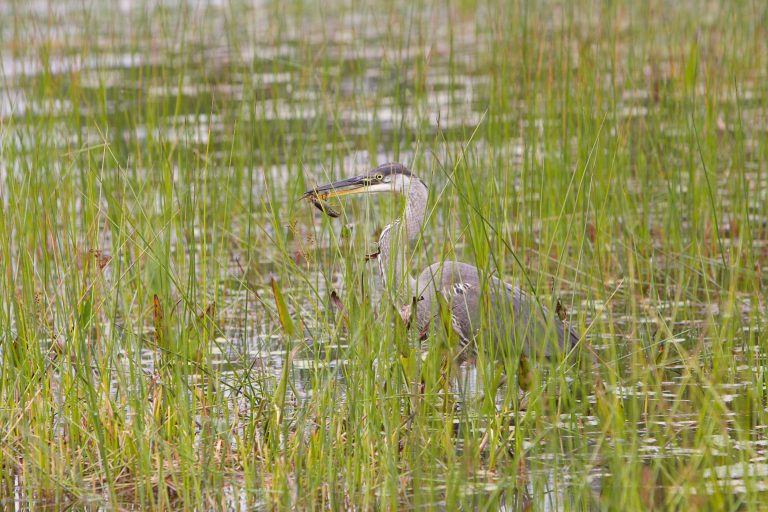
<point>179,330</point>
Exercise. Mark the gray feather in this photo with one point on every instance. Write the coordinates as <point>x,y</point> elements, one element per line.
<point>516,321</point>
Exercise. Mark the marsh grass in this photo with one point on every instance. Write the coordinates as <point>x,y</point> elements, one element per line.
<point>169,336</point>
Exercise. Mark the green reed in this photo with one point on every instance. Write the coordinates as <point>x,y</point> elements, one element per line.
<point>169,336</point>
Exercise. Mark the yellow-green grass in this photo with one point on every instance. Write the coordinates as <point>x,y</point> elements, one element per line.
<point>168,333</point>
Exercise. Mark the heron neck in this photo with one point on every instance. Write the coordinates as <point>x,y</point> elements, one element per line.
<point>394,241</point>
<point>415,208</point>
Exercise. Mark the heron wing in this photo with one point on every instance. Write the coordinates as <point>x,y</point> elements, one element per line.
<point>514,316</point>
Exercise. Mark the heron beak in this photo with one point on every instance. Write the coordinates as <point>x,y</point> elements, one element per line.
<point>353,185</point>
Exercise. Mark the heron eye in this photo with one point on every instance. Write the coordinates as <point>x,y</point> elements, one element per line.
<point>380,177</point>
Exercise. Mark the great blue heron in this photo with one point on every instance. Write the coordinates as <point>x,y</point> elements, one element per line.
<point>473,298</point>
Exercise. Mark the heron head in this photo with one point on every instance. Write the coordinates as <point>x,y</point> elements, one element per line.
<point>390,177</point>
